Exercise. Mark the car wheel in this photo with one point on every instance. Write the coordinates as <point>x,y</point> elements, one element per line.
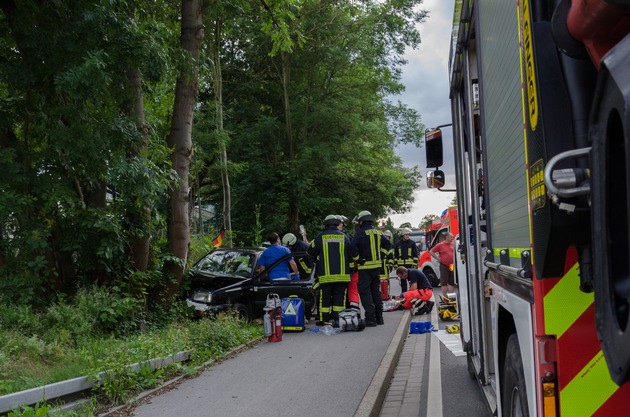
<point>242,312</point>
<point>433,279</point>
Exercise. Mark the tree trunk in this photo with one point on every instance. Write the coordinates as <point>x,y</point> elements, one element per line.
<point>217,76</point>
<point>292,192</point>
<point>180,141</point>
<point>139,218</point>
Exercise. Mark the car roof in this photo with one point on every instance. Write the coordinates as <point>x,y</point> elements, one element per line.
<point>247,249</point>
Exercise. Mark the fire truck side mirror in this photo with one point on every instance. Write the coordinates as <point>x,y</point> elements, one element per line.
<point>433,148</point>
<point>435,179</point>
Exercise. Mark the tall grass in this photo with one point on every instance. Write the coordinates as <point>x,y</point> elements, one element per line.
<point>101,331</point>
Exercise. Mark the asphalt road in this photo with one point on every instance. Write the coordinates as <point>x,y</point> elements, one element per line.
<point>311,374</point>
<point>305,374</point>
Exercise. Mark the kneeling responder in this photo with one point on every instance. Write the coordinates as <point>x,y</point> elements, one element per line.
<point>420,289</point>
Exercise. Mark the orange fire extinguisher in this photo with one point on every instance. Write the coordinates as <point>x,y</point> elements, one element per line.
<point>273,318</point>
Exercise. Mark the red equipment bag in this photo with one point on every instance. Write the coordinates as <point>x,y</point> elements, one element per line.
<point>385,289</point>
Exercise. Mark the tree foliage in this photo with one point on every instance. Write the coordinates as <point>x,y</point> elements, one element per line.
<point>306,130</point>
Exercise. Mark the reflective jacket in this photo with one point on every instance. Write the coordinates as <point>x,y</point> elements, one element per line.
<point>370,247</point>
<point>332,252</point>
<point>304,262</point>
<point>406,253</point>
<point>387,263</point>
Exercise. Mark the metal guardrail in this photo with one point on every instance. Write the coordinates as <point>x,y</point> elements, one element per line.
<point>72,386</point>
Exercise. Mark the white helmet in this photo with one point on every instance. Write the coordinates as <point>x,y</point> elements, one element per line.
<point>405,231</point>
<point>364,216</point>
<point>289,239</point>
<point>388,234</point>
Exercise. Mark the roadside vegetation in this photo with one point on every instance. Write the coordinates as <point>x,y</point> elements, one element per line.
<point>102,331</point>
<point>127,127</point>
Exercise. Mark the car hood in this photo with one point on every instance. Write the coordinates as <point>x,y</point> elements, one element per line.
<point>214,282</point>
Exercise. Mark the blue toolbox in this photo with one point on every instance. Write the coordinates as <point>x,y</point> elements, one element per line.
<point>292,314</point>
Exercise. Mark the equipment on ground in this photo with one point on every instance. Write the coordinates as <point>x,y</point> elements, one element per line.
<point>273,318</point>
<point>350,320</point>
<point>385,289</point>
<point>540,99</point>
<point>292,314</point>
<point>448,308</point>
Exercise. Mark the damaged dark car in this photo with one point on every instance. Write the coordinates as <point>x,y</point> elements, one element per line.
<point>226,280</point>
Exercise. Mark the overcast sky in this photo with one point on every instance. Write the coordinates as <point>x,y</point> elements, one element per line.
<point>426,81</point>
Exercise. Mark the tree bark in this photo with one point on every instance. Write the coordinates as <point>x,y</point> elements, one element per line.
<point>294,206</point>
<point>217,76</point>
<point>180,141</point>
<point>140,217</point>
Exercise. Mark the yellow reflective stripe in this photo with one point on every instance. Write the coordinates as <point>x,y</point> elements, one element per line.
<point>374,247</point>
<point>591,388</point>
<point>513,252</point>
<point>565,303</point>
<point>326,258</point>
<point>342,257</point>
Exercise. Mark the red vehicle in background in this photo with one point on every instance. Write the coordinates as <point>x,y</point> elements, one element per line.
<point>448,222</point>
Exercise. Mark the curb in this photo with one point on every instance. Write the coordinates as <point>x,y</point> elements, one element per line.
<point>374,397</point>
<point>60,389</point>
<point>140,396</point>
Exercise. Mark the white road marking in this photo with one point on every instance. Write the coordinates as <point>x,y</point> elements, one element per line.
<point>434,402</point>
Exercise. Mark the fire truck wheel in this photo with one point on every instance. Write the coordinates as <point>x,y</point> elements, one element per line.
<point>611,211</point>
<point>513,393</point>
<point>242,312</point>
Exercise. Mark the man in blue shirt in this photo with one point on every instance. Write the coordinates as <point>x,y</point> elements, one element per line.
<point>272,254</point>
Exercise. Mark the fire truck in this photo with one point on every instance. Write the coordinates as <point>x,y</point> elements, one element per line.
<point>447,222</point>
<point>540,105</point>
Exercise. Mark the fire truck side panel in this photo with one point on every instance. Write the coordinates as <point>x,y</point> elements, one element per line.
<point>474,302</point>
<point>502,124</point>
<point>523,260</point>
<point>509,309</point>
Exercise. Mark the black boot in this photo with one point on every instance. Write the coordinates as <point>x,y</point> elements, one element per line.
<point>324,319</point>
<point>379,317</point>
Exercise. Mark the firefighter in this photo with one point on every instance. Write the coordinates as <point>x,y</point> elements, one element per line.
<point>299,248</point>
<point>370,247</point>
<point>332,252</point>
<point>420,290</point>
<point>405,254</point>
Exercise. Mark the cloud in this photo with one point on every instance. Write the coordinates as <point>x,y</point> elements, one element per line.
<point>426,81</point>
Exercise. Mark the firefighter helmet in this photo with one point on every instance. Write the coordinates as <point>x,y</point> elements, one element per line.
<point>289,239</point>
<point>365,216</point>
<point>405,231</point>
<point>388,234</point>
<point>332,220</point>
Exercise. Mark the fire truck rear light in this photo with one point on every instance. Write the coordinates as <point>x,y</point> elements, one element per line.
<point>549,399</point>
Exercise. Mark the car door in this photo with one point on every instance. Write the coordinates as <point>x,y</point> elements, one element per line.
<point>262,287</point>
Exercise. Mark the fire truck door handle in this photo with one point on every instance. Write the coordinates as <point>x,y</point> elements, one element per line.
<point>566,183</point>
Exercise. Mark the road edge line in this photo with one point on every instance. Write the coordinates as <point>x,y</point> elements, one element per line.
<point>434,402</point>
